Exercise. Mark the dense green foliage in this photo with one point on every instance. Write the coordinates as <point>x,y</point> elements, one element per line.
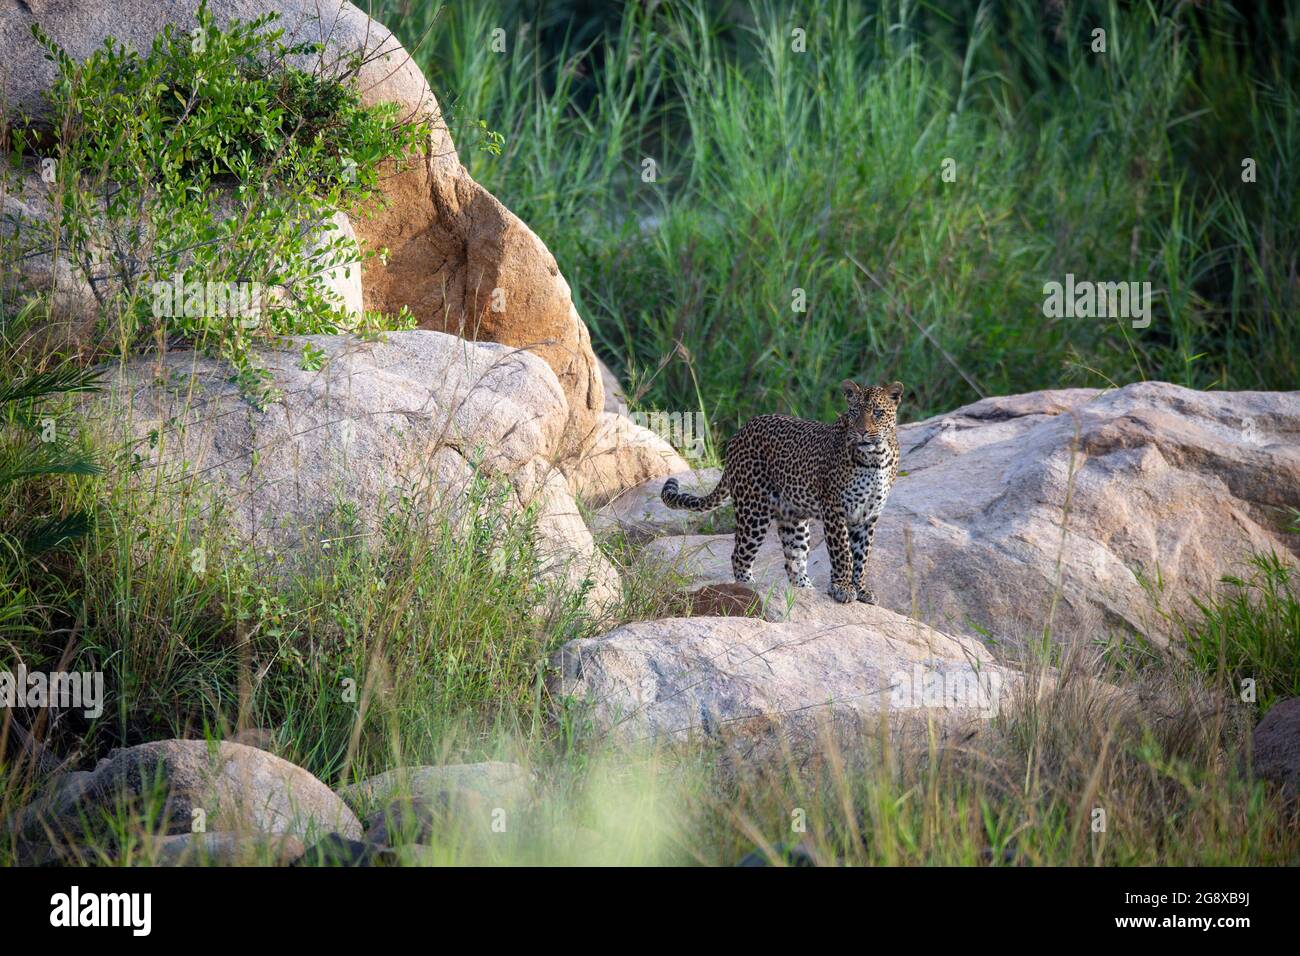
<point>195,184</point>
<point>779,170</point>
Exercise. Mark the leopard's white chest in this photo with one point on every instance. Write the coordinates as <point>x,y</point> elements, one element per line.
<point>865,494</point>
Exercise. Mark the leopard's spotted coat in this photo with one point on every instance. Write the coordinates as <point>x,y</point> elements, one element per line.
<point>791,470</point>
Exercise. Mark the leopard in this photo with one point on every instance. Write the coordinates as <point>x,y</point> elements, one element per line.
<point>792,470</point>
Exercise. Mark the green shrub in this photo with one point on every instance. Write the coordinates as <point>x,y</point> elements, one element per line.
<point>195,184</point>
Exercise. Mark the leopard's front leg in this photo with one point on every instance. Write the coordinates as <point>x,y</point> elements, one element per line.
<point>837,545</point>
<point>860,542</point>
<point>794,542</point>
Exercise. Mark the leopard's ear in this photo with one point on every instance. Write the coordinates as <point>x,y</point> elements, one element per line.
<point>895,392</point>
<point>851,389</point>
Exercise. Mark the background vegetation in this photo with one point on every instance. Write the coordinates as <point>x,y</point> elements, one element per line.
<point>780,170</point>
<point>776,171</point>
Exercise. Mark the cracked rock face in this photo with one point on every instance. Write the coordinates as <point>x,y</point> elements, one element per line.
<point>1101,491</point>
<point>459,259</point>
<point>416,416</point>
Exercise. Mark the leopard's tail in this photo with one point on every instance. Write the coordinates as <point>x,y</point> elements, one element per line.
<point>674,498</point>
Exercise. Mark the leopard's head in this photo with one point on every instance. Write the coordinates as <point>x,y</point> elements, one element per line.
<point>872,414</point>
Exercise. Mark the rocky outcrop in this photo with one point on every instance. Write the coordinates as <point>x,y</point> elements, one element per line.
<point>463,263</point>
<point>226,787</point>
<point>767,686</point>
<point>1057,509</point>
<point>459,259</point>
<point>411,420</point>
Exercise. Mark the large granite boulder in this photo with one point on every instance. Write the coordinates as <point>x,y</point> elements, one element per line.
<point>770,687</point>
<point>412,419</point>
<point>621,455</point>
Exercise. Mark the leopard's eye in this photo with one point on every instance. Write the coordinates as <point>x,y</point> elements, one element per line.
<point>879,413</point>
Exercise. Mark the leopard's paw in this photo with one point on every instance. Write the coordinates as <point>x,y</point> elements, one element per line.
<point>867,597</point>
<point>802,581</point>
<point>842,595</point>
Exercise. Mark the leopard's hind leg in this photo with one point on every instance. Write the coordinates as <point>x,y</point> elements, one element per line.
<point>752,519</point>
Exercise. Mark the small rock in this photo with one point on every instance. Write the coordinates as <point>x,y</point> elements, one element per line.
<point>798,854</point>
<point>1008,856</point>
<point>340,851</point>
<point>413,820</point>
<point>411,854</point>
<point>38,853</point>
<point>226,849</point>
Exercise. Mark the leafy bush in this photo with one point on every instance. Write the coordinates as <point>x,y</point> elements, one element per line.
<point>195,184</point>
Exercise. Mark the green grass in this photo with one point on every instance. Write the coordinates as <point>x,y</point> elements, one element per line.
<point>780,171</point>
<point>1252,634</point>
<point>1074,775</point>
